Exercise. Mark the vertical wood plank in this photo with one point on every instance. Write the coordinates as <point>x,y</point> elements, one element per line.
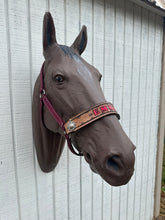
<point>109,48</point>
<point>86,173</point>
<point>147,113</point>
<point>98,50</point>
<point>150,153</point>
<point>9,193</point>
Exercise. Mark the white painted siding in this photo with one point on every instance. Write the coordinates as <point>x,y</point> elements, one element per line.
<point>125,44</point>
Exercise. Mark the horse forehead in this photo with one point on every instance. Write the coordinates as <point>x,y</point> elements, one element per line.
<point>65,59</point>
<point>82,69</point>
<point>73,65</point>
<point>80,66</point>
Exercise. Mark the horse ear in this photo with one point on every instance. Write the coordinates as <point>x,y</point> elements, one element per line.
<point>81,41</point>
<point>49,35</point>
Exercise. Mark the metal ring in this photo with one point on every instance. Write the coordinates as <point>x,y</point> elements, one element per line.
<point>42,92</point>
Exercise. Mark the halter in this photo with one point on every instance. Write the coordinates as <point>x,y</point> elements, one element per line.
<point>75,123</point>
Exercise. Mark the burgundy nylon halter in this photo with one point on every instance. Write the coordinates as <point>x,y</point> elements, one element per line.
<point>44,101</point>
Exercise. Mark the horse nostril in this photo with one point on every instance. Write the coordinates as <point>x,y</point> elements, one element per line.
<point>113,162</point>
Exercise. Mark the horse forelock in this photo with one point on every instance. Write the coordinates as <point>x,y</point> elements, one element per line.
<point>68,51</point>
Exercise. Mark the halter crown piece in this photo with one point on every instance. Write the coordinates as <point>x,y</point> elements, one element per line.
<point>75,123</point>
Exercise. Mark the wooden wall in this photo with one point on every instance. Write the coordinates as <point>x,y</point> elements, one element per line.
<point>125,44</point>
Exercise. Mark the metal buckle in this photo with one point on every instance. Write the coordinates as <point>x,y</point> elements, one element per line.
<point>42,92</point>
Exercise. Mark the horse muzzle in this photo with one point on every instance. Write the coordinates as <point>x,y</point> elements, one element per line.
<point>115,168</point>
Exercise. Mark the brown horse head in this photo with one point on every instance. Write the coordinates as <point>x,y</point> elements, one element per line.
<point>73,85</point>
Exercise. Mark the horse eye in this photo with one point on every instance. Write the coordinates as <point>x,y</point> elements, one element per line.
<point>100,78</point>
<point>59,78</point>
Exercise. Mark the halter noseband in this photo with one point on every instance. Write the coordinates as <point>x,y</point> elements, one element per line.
<point>75,123</point>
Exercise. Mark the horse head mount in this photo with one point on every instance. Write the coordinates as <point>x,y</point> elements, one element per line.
<point>68,103</point>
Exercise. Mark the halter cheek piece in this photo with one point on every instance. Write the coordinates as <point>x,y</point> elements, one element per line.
<point>75,123</point>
